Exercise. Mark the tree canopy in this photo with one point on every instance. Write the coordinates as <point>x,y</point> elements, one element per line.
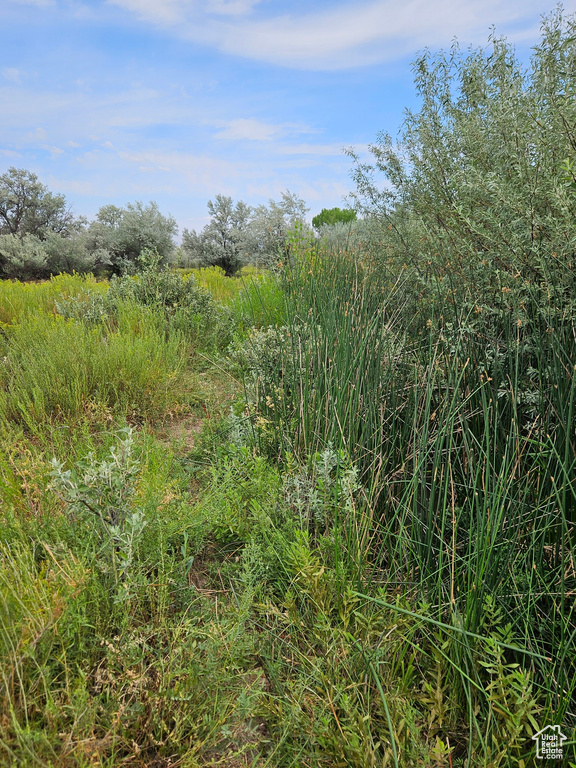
<point>480,179</point>
<point>119,235</point>
<point>27,207</point>
<point>328,216</point>
<point>238,234</point>
<point>39,235</point>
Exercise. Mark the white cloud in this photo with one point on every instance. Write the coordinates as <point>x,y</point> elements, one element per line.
<point>12,74</point>
<point>54,151</point>
<point>345,35</point>
<point>202,172</point>
<point>39,133</point>
<point>38,3</point>
<point>249,129</point>
<point>231,7</point>
<point>322,150</point>
<point>158,11</point>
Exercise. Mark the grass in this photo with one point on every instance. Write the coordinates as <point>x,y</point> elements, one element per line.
<point>366,561</point>
<point>57,368</point>
<point>18,300</point>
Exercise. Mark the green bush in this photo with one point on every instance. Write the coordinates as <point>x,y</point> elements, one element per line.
<point>478,193</point>
<point>184,306</point>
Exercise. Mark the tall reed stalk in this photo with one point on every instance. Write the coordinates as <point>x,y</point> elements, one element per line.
<point>464,436</point>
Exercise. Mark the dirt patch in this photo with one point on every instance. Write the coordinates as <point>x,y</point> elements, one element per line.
<point>183,430</point>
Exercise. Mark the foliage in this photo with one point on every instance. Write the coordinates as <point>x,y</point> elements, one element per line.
<point>183,305</point>
<point>272,225</point>
<point>54,368</point>
<point>224,241</point>
<point>28,208</point>
<point>19,300</point>
<point>369,562</point>
<point>40,237</point>
<point>22,257</point>
<point>101,493</point>
<point>475,187</point>
<point>455,438</point>
<point>119,236</point>
<point>238,235</point>
<point>329,216</point>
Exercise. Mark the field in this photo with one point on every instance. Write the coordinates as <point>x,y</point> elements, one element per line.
<point>316,517</point>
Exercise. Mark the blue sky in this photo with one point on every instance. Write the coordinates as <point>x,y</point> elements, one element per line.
<point>113,101</point>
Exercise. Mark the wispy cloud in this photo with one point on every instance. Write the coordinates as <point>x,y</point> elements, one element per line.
<point>231,7</point>
<point>341,36</point>
<point>12,74</point>
<point>250,129</point>
<point>38,3</point>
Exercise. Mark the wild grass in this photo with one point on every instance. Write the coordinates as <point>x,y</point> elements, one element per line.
<point>466,455</point>
<point>18,300</point>
<point>368,563</point>
<point>53,368</point>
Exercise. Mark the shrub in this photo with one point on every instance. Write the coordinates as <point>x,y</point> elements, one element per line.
<point>183,305</point>
<point>101,494</point>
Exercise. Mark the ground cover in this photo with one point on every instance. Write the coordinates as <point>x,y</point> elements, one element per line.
<point>305,525</point>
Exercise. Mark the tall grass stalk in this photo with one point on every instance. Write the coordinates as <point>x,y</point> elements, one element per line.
<point>466,445</point>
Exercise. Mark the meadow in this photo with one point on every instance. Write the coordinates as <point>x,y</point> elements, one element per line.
<point>319,516</point>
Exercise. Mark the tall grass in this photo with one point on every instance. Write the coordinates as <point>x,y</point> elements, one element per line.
<point>19,300</point>
<point>55,368</point>
<point>467,452</point>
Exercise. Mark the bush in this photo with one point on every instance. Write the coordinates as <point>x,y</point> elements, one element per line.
<point>101,494</point>
<point>22,257</point>
<point>183,305</point>
<point>479,193</point>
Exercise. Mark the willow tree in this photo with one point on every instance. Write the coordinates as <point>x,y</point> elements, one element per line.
<point>481,182</point>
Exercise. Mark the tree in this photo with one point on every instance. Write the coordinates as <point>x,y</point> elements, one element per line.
<point>271,225</point>
<point>224,242</point>
<point>119,235</point>
<point>238,234</point>
<point>475,185</point>
<point>28,208</point>
<point>328,216</point>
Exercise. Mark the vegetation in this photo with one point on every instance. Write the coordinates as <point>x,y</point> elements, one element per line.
<point>40,237</point>
<point>317,516</point>
<point>27,207</point>
<point>330,216</point>
<point>238,235</point>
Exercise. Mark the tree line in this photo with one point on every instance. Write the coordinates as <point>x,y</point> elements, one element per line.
<point>40,235</point>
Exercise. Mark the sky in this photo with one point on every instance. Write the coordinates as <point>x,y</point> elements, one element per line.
<point>114,101</point>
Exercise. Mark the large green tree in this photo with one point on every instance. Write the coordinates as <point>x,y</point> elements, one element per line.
<point>329,216</point>
<point>477,183</point>
<point>27,207</point>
